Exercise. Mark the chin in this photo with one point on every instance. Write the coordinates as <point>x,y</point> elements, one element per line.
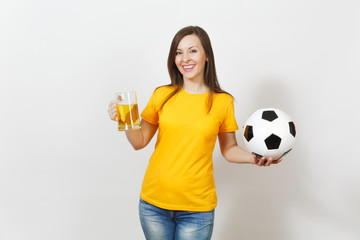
<point>190,76</point>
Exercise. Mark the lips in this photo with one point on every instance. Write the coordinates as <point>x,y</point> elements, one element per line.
<point>188,68</point>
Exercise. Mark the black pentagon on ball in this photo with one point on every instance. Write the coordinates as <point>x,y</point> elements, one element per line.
<point>269,115</point>
<point>248,133</point>
<point>272,142</point>
<point>292,128</point>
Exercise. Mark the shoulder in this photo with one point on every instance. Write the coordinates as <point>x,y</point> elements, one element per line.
<point>160,94</point>
<point>223,97</point>
<point>164,90</point>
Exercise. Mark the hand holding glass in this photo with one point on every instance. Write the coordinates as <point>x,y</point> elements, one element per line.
<point>127,111</point>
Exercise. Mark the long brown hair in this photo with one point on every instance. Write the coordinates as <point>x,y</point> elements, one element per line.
<point>210,78</point>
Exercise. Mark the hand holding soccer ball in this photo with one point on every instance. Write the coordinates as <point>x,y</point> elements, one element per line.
<point>269,134</point>
<point>265,161</point>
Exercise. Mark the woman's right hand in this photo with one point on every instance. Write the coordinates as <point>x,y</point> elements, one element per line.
<point>265,161</point>
<point>112,110</point>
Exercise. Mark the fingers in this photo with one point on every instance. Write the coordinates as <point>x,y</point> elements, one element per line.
<point>261,161</point>
<point>268,162</point>
<point>112,110</point>
<point>277,161</point>
<point>265,161</point>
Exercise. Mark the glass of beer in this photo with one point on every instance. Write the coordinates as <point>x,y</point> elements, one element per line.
<point>127,111</point>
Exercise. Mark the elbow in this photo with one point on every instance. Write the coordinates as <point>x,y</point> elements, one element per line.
<point>223,153</point>
<point>137,147</point>
<point>232,155</point>
<point>228,159</point>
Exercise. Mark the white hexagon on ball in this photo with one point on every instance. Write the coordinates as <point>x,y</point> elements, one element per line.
<point>269,132</point>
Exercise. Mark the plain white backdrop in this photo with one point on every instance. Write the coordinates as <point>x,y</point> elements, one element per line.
<point>66,173</point>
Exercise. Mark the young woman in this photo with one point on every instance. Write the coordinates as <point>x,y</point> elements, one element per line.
<point>178,198</point>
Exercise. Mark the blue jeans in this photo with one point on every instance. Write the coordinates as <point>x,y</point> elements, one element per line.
<point>162,224</point>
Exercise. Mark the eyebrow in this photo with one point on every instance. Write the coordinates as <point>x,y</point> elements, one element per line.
<point>188,48</point>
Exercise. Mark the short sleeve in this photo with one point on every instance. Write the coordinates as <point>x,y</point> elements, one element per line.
<point>229,123</point>
<point>150,113</point>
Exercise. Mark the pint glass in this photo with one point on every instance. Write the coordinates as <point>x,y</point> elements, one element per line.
<point>127,111</point>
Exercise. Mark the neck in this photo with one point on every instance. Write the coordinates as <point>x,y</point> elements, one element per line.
<point>195,86</point>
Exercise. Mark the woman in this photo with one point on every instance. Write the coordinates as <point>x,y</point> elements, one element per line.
<point>178,198</point>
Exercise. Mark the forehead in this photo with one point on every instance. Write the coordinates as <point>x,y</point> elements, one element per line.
<point>189,41</point>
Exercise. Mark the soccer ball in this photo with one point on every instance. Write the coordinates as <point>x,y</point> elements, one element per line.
<point>269,132</point>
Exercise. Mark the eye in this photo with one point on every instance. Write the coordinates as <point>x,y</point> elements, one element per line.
<point>193,51</point>
<point>178,53</point>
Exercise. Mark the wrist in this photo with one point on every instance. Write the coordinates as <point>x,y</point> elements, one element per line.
<point>250,158</point>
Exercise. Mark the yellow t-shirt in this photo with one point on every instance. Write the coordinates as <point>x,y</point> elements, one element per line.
<point>179,175</point>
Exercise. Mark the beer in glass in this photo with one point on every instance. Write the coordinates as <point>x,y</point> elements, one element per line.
<point>127,111</point>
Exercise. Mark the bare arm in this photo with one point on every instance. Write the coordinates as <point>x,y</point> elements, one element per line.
<point>233,153</point>
<point>138,138</point>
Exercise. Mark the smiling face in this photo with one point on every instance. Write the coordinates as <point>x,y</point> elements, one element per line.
<point>190,58</point>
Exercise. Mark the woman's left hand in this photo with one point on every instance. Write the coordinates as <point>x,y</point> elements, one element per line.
<point>265,161</point>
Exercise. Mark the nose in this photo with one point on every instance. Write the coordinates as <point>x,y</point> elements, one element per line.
<point>185,57</point>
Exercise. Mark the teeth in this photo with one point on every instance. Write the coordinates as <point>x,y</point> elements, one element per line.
<point>188,67</point>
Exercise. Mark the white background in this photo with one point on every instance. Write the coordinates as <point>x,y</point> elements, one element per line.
<point>66,173</point>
